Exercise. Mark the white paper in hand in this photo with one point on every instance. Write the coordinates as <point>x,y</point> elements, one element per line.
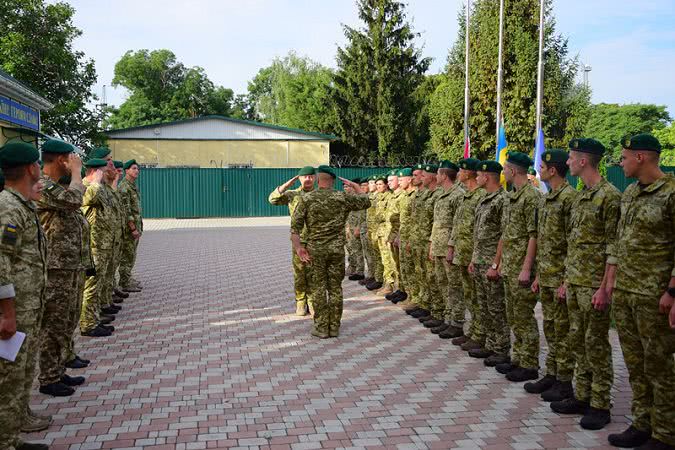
<point>10,348</point>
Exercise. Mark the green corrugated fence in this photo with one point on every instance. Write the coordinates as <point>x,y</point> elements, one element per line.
<point>189,193</point>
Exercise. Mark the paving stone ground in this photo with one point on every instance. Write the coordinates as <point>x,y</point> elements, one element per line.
<point>209,355</point>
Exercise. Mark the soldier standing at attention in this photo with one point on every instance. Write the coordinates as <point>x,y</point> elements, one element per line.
<point>59,211</point>
<point>374,281</point>
<point>355,259</point>
<point>484,266</point>
<point>131,200</point>
<point>323,214</point>
<point>393,223</point>
<point>416,295</point>
<point>23,277</point>
<point>460,250</point>
<point>118,295</point>
<point>117,219</point>
<point>519,249</point>
<point>642,284</point>
<point>554,227</point>
<point>283,196</point>
<point>363,234</point>
<point>594,216</point>
<point>386,255</point>
<point>402,239</point>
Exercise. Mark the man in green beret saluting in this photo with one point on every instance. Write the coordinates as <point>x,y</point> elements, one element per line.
<point>322,215</point>
<point>592,238</point>
<point>131,202</point>
<point>642,285</point>
<point>283,195</point>
<point>23,278</point>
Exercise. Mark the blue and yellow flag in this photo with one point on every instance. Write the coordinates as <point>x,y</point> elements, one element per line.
<point>502,146</point>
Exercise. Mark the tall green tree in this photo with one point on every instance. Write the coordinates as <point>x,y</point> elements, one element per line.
<point>666,137</point>
<point>377,80</point>
<point>162,89</point>
<point>36,47</point>
<point>565,106</point>
<point>610,122</point>
<point>294,92</point>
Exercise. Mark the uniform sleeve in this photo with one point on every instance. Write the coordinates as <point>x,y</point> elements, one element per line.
<point>278,199</point>
<point>92,196</point>
<point>298,219</point>
<point>612,212</point>
<point>11,228</point>
<point>357,202</point>
<point>56,198</point>
<point>532,208</point>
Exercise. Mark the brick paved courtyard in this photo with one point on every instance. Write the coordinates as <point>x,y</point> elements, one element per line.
<point>209,355</point>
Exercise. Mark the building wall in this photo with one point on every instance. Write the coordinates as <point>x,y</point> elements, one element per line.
<point>203,153</point>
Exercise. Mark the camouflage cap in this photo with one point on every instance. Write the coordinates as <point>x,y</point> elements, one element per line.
<point>587,145</point>
<point>489,166</point>
<point>643,141</point>
<point>57,146</point>
<point>555,156</point>
<point>17,153</point>
<point>519,159</point>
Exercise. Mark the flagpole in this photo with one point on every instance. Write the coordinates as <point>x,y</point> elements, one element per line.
<point>466,76</point>
<point>500,70</point>
<point>540,67</point>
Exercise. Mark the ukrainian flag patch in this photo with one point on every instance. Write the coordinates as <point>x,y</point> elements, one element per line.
<point>9,235</point>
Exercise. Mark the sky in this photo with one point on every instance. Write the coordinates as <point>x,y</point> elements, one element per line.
<point>629,45</point>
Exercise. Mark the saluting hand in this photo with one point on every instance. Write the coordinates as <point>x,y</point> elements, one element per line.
<point>351,184</point>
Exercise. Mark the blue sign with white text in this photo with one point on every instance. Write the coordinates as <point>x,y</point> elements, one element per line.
<point>19,114</point>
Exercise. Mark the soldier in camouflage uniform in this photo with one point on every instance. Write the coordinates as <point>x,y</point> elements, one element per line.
<point>363,234</point>
<point>117,224</point>
<point>131,202</point>
<point>355,257</point>
<point>594,216</point>
<point>402,239</point>
<point>519,248</point>
<point>283,196</point>
<point>642,284</point>
<point>447,275</point>
<point>58,210</point>
<point>122,214</point>
<point>392,218</point>
<point>323,214</point>
<point>386,255</point>
<point>554,226</point>
<point>415,302</point>
<point>23,277</point>
<point>375,268</point>
<point>97,207</point>
<point>460,250</point>
<point>484,266</point>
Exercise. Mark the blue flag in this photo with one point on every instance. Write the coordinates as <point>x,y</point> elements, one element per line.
<point>539,150</point>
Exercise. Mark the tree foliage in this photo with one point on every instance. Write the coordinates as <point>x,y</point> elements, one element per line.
<point>666,136</point>
<point>36,47</point>
<point>565,106</point>
<point>376,84</point>
<point>163,89</point>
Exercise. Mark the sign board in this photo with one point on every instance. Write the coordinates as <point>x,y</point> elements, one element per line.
<point>19,114</point>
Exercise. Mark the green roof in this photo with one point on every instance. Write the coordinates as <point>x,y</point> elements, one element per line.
<point>329,137</point>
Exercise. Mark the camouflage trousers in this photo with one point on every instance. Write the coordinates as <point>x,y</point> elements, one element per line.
<point>559,360</point>
<point>56,333</point>
<point>16,379</point>
<point>455,309</point>
<point>475,331</point>
<point>301,279</point>
<point>396,254</point>
<point>429,296</point>
<point>375,268</point>
<point>644,334</point>
<point>589,339</point>
<point>128,258</point>
<point>355,261</point>
<point>95,288</point>
<point>520,303</point>
<point>328,270</point>
<point>69,352</point>
<point>407,271</point>
<point>389,273</point>
<point>492,309</point>
<point>117,260</point>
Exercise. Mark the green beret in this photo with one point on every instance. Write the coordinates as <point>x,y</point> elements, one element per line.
<point>393,173</point>
<point>519,159</point>
<point>587,145</point>
<point>17,153</point>
<point>66,179</point>
<point>95,163</point>
<point>381,177</point>
<point>364,180</point>
<point>489,166</point>
<point>419,166</point>
<point>554,156</point>
<point>531,171</point>
<point>57,146</point>
<point>99,153</point>
<point>469,164</point>
<point>128,164</point>
<point>356,180</point>
<point>325,169</point>
<point>430,168</point>
<point>405,172</point>
<point>307,170</point>
<point>643,141</point>
<point>118,164</point>
<point>445,164</point>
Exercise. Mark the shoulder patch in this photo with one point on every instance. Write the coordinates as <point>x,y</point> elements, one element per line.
<point>9,236</point>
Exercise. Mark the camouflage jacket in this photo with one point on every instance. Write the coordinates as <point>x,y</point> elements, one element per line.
<point>393,215</point>
<point>406,218</point>
<point>425,215</point>
<point>444,212</point>
<point>324,213</point>
<point>23,252</point>
<point>383,200</point>
<point>119,220</point>
<point>290,198</point>
<point>488,226</point>
<point>357,220</point>
<point>645,251</point>
<point>416,208</point>
<point>553,229</point>
<point>59,212</point>
<point>98,207</point>
<point>131,202</point>
<point>594,216</point>
<point>520,224</point>
<point>371,214</point>
<point>461,237</point>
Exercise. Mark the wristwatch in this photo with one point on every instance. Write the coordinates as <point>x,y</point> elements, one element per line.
<point>493,266</point>
<point>671,291</point>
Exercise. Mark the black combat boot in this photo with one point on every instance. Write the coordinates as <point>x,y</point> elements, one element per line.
<point>595,419</point>
<point>630,438</point>
<point>570,406</point>
<point>541,385</point>
<point>560,391</point>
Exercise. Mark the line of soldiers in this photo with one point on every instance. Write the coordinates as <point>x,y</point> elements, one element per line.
<point>445,239</point>
<point>67,231</point>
